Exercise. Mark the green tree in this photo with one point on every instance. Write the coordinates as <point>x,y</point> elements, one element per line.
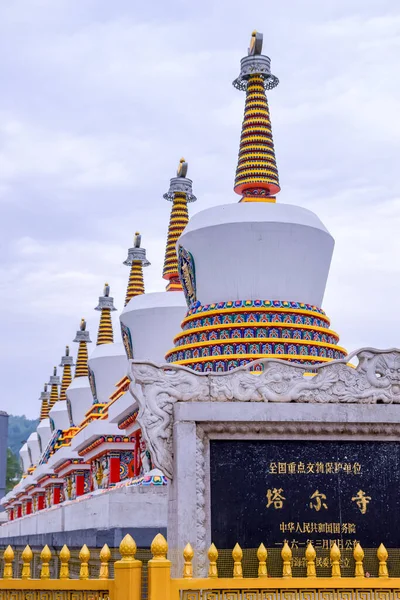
<point>13,472</point>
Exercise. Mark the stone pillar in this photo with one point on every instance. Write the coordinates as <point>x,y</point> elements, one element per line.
<point>182,494</point>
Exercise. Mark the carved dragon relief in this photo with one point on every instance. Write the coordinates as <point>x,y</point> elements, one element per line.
<point>375,379</point>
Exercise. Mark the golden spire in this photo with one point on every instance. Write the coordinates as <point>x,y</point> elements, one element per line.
<point>54,382</point>
<point>44,407</point>
<point>257,177</point>
<point>82,337</point>
<point>106,305</point>
<point>136,260</point>
<point>66,363</point>
<point>180,193</point>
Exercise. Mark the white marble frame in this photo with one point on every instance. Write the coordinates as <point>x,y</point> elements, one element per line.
<point>194,427</point>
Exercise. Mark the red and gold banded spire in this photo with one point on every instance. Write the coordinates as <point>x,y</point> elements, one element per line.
<point>179,193</point>
<point>54,382</point>
<point>257,177</point>
<point>66,363</point>
<point>82,337</point>
<point>44,403</point>
<point>106,305</point>
<point>136,260</point>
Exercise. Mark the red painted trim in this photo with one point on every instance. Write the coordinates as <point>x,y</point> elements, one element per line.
<point>114,469</point>
<point>56,494</point>
<point>80,484</point>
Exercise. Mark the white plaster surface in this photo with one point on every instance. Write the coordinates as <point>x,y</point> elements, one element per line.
<point>121,408</point>
<point>80,396</point>
<point>59,414</point>
<point>92,431</point>
<point>122,507</point>
<point>24,454</point>
<point>109,364</point>
<point>153,320</point>
<point>253,251</point>
<point>34,446</point>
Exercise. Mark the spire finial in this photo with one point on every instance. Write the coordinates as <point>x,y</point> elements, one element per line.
<point>106,305</point>
<point>54,382</point>
<point>256,174</point>
<point>180,193</point>
<point>44,403</point>
<point>136,260</point>
<point>67,362</point>
<point>83,338</point>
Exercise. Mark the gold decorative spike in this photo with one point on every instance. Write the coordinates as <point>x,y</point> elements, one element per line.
<point>8,557</point>
<point>27,556</point>
<point>382,555</point>
<point>286,555</point>
<point>159,547</point>
<point>45,556</point>
<point>65,555</point>
<point>310,558</point>
<point>105,556</point>
<point>212,557</point>
<point>335,561</point>
<point>127,548</point>
<point>358,557</point>
<point>262,561</point>
<point>84,556</point>
<point>188,555</point>
<point>237,555</point>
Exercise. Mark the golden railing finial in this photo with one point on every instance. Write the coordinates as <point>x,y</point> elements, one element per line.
<point>159,547</point>
<point>382,555</point>
<point>45,556</point>
<point>65,556</point>
<point>27,556</point>
<point>358,555</point>
<point>262,561</point>
<point>188,555</point>
<point>8,557</point>
<point>310,558</point>
<point>237,555</point>
<point>335,560</point>
<point>212,558</point>
<point>84,556</point>
<point>105,555</point>
<point>286,555</point>
<point>128,548</point>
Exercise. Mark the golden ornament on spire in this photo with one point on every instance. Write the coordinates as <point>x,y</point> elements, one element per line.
<point>106,305</point>
<point>257,177</point>
<point>82,337</point>
<point>136,260</point>
<point>180,193</point>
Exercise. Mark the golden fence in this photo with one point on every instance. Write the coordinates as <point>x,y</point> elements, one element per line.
<point>18,581</point>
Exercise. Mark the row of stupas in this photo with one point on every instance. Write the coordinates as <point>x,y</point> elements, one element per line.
<point>245,281</point>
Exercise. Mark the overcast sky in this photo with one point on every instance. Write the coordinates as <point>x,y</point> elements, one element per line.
<point>100,99</point>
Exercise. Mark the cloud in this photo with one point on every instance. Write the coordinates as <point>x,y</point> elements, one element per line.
<point>100,100</point>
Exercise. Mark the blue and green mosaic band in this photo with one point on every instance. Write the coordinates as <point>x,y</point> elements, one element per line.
<point>225,335</point>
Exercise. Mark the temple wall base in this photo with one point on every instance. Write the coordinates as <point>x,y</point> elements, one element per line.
<point>142,510</point>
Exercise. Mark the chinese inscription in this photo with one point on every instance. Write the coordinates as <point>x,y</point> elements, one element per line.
<point>323,491</point>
